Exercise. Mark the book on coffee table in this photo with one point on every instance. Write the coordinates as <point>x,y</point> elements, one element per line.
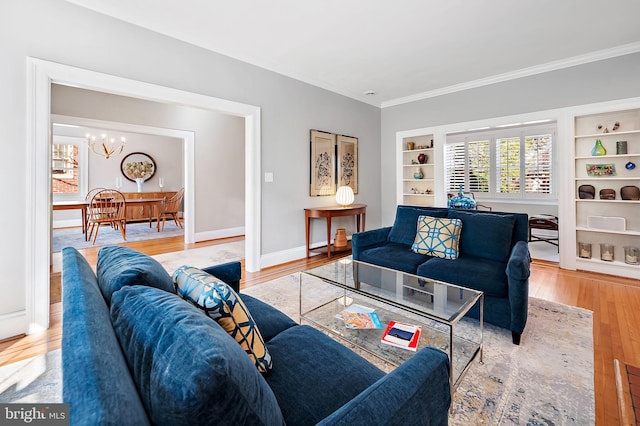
<point>402,335</point>
<point>358,316</point>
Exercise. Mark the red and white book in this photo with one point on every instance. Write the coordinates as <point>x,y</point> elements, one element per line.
<point>402,335</point>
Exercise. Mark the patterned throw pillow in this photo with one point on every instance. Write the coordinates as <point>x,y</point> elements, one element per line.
<point>218,300</point>
<point>438,237</point>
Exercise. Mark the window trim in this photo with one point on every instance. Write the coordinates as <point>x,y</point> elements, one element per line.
<point>83,168</point>
<point>506,131</point>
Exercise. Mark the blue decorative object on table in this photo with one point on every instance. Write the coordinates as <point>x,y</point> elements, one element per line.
<point>461,201</point>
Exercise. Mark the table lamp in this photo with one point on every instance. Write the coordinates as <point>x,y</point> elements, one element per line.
<point>344,196</point>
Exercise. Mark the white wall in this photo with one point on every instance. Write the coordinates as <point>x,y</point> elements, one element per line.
<point>219,148</point>
<point>616,78</point>
<point>57,31</point>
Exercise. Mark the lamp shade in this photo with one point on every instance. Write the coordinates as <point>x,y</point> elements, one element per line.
<point>344,196</point>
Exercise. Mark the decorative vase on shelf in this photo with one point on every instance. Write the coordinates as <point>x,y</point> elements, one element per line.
<point>418,173</point>
<point>422,158</point>
<point>139,182</point>
<point>598,148</point>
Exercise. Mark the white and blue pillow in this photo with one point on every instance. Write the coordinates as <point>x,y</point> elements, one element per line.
<point>218,300</point>
<point>438,237</point>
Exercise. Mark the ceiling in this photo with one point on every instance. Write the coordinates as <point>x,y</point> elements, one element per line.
<point>401,50</point>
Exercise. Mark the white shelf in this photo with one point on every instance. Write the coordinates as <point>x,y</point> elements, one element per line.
<point>618,263</point>
<point>608,201</point>
<point>409,194</point>
<point>590,157</point>
<point>417,165</point>
<point>417,150</point>
<point>417,180</point>
<point>606,231</point>
<point>602,135</point>
<point>629,119</point>
<point>608,178</point>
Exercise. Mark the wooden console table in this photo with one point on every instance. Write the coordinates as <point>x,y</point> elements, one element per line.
<point>357,210</point>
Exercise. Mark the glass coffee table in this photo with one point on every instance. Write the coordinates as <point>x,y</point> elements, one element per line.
<point>437,307</point>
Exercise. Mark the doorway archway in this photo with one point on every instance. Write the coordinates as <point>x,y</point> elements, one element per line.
<point>41,74</point>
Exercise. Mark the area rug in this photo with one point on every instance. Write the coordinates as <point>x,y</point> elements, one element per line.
<point>547,380</point>
<point>202,257</point>
<point>33,380</point>
<point>140,231</point>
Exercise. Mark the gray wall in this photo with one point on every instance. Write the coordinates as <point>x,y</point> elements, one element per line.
<point>57,31</point>
<point>612,79</point>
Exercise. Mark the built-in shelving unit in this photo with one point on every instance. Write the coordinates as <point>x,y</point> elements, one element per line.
<point>417,177</point>
<point>586,132</point>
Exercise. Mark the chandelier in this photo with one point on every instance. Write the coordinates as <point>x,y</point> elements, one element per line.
<point>105,145</point>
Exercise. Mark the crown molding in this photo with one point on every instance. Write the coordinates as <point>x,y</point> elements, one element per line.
<point>599,55</point>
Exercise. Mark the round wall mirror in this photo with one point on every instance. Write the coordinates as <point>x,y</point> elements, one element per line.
<point>138,165</point>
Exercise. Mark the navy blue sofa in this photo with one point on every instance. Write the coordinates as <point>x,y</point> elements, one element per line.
<point>493,257</point>
<point>135,353</point>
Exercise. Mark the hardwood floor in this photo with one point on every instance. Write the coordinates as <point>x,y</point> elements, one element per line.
<point>615,303</point>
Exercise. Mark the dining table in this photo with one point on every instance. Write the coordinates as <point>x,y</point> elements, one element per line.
<point>154,203</point>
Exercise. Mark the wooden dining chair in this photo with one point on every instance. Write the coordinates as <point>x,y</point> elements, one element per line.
<point>106,207</point>
<point>171,207</point>
<point>85,211</point>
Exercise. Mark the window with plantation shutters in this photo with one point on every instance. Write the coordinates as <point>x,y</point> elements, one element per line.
<point>508,165</point>
<point>537,164</point>
<point>455,166</point>
<point>502,163</point>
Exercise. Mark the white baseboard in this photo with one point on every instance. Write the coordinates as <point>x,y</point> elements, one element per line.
<point>283,256</point>
<point>219,233</point>
<point>289,255</point>
<point>13,324</point>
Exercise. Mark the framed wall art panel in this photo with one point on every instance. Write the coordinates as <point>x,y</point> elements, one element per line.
<point>347,162</point>
<point>323,165</point>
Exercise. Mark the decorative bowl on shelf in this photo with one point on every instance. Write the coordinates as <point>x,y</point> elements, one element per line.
<point>630,192</point>
<point>607,194</point>
<point>586,192</point>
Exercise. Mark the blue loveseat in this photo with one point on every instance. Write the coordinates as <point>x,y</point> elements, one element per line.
<point>135,353</point>
<point>493,257</point>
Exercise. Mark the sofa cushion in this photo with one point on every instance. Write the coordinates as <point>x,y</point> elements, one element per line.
<point>469,271</point>
<point>312,361</point>
<point>394,256</point>
<point>485,235</point>
<point>186,367</point>
<point>269,320</point>
<point>403,230</point>
<point>218,300</point>
<point>88,345</point>
<point>120,266</point>
<point>437,237</point>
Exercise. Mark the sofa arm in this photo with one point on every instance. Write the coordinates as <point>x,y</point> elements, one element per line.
<point>518,271</point>
<point>362,240</point>
<point>415,393</point>
<point>230,273</point>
